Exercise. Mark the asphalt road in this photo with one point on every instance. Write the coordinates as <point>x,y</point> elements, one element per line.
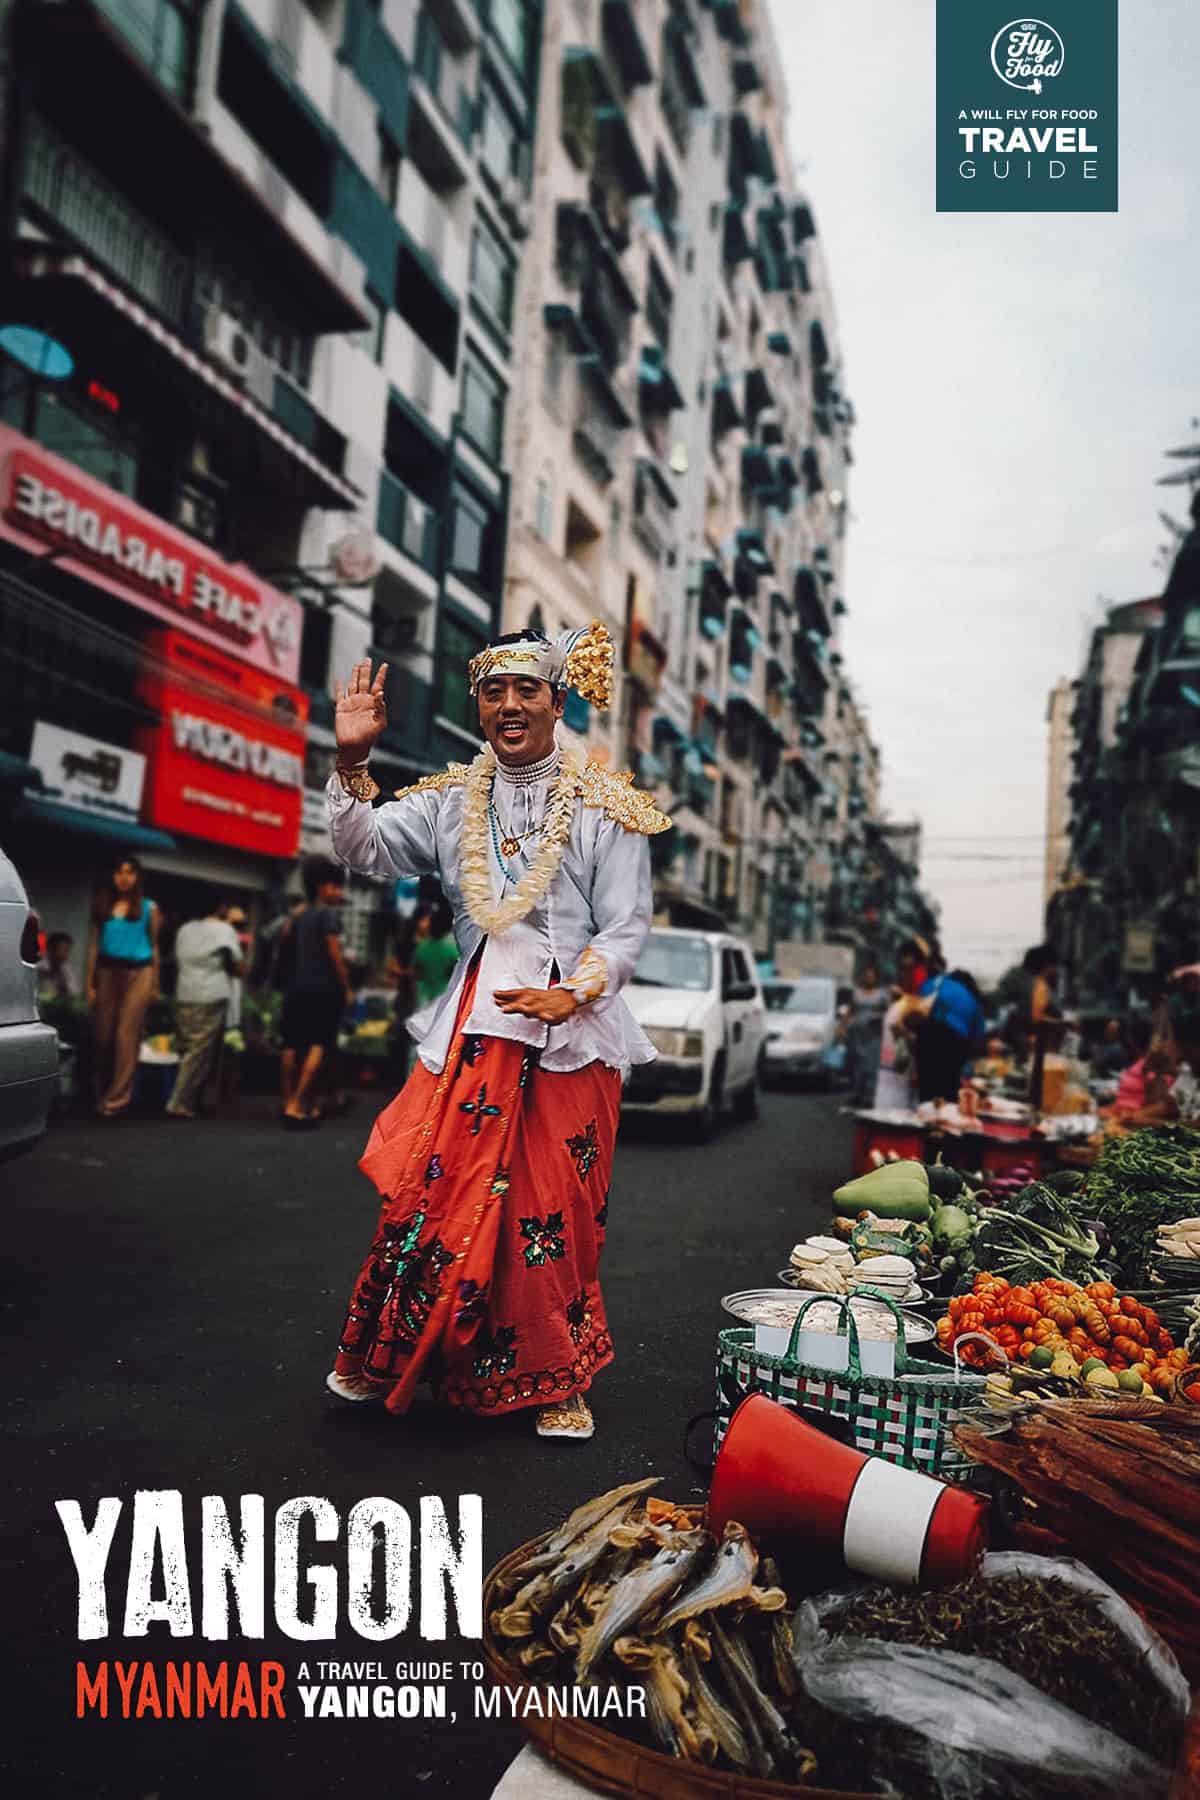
<point>170,1297</point>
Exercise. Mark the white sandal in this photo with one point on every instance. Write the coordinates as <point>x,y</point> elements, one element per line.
<point>568,1419</point>
<point>355,1388</point>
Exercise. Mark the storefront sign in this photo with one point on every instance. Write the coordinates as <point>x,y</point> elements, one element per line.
<point>85,773</point>
<point>226,757</point>
<point>144,561</point>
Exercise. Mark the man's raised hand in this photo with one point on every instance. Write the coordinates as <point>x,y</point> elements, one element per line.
<point>361,713</point>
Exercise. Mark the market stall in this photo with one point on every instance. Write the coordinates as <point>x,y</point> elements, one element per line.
<point>953,1527</point>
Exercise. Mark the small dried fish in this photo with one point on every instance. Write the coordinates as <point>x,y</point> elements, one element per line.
<point>737,1666</point>
<point>552,1545</point>
<point>644,1586</point>
<point>536,1597</point>
<point>780,1635</point>
<point>730,1578</point>
<point>716,1714</point>
<point>666,1696</point>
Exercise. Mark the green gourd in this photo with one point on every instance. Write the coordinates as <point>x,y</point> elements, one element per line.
<point>898,1190</point>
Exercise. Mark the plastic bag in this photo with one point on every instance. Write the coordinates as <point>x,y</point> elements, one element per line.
<point>976,1727</point>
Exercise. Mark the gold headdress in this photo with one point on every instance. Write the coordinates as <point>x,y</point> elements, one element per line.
<point>579,659</point>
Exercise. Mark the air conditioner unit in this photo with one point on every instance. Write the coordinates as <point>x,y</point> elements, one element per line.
<point>229,343</point>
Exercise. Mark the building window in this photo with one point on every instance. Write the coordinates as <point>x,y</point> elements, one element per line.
<point>388,178</point>
<point>659,302</point>
<point>492,273</point>
<point>510,28</point>
<point>456,647</point>
<point>543,509</point>
<point>500,138</point>
<point>482,406</point>
<point>470,538</point>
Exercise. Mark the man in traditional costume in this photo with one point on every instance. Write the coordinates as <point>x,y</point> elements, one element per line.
<point>494,1160</point>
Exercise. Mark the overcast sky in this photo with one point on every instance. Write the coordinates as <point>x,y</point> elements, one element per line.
<point>1017,379</point>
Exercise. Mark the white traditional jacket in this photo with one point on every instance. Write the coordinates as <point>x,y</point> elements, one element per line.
<point>590,926</point>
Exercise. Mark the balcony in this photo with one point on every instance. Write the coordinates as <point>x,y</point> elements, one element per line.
<point>588,267</point>
<point>625,43</point>
<point>429,222</point>
<point>654,506</point>
<point>658,389</point>
<point>414,371</point>
<point>442,122</point>
<point>595,127</point>
<point>71,195</point>
<point>406,522</point>
<point>681,92</point>
<point>600,424</point>
<point>295,43</point>
<point>810,603</point>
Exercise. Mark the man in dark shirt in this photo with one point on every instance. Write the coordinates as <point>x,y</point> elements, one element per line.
<point>316,992</point>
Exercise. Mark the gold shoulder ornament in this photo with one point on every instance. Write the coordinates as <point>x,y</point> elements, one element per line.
<point>615,793</point>
<point>454,775</point>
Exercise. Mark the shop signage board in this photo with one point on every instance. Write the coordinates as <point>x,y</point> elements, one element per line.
<point>226,756</point>
<point>85,773</point>
<point>102,535</point>
<point>1138,957</point>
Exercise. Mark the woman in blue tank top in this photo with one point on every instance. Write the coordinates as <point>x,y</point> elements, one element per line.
<point>122,981</point>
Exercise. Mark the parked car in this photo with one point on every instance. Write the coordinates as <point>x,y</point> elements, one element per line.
<point>802,1026</point>
<point>28,1049</point>
<point>697,998</point>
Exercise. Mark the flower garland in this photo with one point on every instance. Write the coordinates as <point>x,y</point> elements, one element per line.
<point>494,916</point>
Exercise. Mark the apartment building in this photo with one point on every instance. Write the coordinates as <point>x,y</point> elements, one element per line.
<point>279,305</point>
<point>679,441</point>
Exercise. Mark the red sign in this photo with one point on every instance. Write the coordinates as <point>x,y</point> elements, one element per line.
<point>144,561</point>
<point>226,758</point>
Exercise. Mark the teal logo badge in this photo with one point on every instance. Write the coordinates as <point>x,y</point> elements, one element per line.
<point>1026,107</point>
<point>1027,48</point>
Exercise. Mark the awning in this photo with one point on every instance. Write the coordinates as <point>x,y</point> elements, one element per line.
<point>47,815</point>
<point>660,386</point>
<point>44,262</point>
<point>16,773</point>
<point>779,342</point>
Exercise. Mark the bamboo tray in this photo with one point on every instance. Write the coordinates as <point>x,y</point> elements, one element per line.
<point>617,1765</point>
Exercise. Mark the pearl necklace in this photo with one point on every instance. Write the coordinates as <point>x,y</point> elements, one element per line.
<point>525,774</point>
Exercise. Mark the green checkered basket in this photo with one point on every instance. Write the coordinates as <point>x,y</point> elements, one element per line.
<point>907,1418</point>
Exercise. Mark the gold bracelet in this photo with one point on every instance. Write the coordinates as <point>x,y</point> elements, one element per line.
<point>358,782</point>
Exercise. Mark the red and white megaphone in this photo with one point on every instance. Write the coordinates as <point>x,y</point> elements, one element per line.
<point>783,1479</point>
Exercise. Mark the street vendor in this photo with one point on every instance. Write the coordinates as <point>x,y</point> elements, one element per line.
<point>494,1160</point>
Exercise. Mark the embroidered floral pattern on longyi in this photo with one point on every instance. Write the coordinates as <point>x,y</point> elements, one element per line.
<point>545,1239</point>
<point>496,1352</point>
<point>584,1149</point>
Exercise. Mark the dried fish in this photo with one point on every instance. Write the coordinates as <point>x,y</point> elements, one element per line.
<point>552,1545</point>
<point>644,1586</point>
<point>779,1635</point>
<point>730,1578</point>
<point>537,1595</point>
<point>737,1665</point>
<point>666,1696</point>
<point>719,1717</point>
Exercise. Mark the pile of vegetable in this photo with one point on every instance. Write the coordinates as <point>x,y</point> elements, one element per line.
<point>1139,1182</point>
<point>1054,1318</point>
<point>1042,1233</point>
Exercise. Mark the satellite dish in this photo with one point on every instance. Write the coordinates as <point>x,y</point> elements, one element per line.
<point>679,460</point>
<point>354,558</point>
<point>35,350</point>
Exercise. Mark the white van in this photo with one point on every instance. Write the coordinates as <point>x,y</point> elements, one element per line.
<point>697,997</point>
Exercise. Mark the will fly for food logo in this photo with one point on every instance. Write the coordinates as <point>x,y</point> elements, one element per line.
<point>1026,107</point>
<point>1028,48</point>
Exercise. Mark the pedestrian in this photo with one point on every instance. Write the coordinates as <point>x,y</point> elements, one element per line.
<point>952,1025</point>
<point>316,993</point>
<point>870,1003</point>
<point>435,956</point>
<point>56,979</point>
<point>122,981</point>
<point>494,1160</point>
<point>209,959</point>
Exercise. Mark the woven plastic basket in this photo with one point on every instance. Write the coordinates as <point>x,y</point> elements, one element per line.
<point>907,1418</point>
